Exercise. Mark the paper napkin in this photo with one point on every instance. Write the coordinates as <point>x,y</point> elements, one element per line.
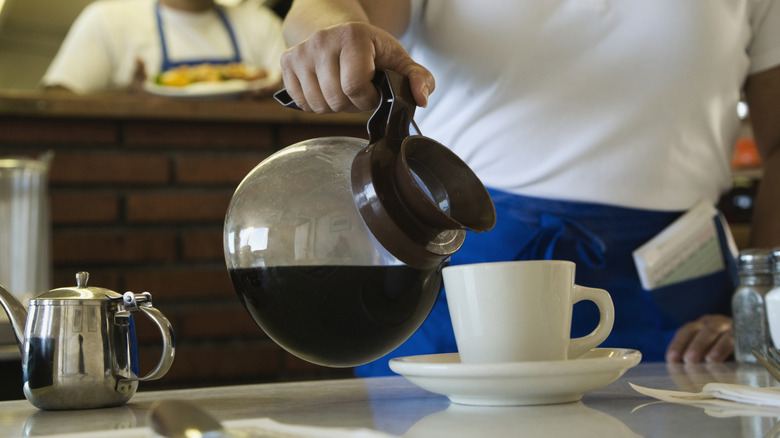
<point>725,398</point>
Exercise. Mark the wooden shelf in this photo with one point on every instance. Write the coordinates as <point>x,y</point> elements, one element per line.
<point>143,106</point>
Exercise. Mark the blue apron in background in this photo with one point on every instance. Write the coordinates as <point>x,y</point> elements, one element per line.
<point>167,64</point>
<point>600,239</point>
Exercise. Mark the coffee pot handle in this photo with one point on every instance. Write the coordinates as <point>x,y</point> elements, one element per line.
<point>169,349</point>
<point>143,302</point>
<point>392,116</point>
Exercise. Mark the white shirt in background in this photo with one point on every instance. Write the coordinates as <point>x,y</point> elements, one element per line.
<point>100,51</point>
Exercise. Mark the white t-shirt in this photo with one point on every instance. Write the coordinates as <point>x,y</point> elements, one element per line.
<point>622,102</point>
<point>100,51</point>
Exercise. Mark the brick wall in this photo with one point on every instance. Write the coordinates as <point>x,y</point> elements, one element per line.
<point>140,204</point>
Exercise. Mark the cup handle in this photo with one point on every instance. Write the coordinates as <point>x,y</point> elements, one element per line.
<point>168,342</point>
<point>580,346</point>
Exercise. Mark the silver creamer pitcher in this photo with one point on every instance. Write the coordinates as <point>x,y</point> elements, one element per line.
<point>76,348</point>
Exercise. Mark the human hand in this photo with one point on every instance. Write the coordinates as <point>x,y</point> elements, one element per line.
<point>709,338</point>
<point>332,70</point>
<point>139,78</point>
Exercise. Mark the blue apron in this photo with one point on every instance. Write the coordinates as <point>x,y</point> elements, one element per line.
<point>167,64</point>
<point>600,239</point>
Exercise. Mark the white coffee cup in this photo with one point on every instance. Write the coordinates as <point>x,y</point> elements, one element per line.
<point>521,311</point>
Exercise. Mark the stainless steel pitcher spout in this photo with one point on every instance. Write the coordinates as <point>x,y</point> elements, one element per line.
<point>16,314</point>
<point>76,345</point>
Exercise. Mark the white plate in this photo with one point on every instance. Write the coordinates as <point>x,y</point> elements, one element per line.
<point>516,384</point>
<point>212,90</point>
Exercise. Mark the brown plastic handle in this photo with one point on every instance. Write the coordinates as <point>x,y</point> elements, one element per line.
<point>395,112</point>
<point>417,197</point>
<point>391,117</point>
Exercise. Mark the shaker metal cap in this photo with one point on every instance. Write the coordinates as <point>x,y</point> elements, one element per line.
<point>775,255</point>
<point>757,261</point>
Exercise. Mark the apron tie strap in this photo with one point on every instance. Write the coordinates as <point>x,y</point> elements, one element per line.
<point>588,246</point>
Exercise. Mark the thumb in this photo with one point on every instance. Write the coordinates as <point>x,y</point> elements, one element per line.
<point>391,55</point>
<point>422,83</point>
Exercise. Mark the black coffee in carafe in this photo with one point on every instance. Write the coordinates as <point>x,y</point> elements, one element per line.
<point>344,315</point>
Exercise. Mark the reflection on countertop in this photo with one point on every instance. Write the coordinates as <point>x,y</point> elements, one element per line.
<point>566,420</point>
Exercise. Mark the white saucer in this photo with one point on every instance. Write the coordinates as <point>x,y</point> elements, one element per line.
<point>515,384</point>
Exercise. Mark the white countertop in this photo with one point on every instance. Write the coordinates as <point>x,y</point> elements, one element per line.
<point>395,406</point>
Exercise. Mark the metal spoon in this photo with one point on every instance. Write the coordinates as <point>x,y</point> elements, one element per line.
<point>770,361</point>
<point>181,419</point>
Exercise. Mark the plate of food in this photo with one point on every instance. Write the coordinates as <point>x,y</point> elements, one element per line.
<point>211,80</point>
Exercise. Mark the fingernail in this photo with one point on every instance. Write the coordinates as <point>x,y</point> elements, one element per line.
<point>425,93</point>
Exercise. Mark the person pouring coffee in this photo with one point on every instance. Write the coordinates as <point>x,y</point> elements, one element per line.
<point>594,124</point>
<point>116,44</point>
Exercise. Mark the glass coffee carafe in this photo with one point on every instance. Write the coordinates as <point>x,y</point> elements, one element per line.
<point>335,245</point>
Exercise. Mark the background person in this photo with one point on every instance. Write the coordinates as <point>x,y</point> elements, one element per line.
<point>594,124</point>
<point>116,44</point>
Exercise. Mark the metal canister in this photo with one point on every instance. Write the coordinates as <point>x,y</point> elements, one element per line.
<point>25,231</point>
<point>749,304</point>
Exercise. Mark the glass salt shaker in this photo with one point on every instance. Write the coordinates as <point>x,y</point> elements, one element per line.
<point>748,304</point>
<point>773,300</point>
